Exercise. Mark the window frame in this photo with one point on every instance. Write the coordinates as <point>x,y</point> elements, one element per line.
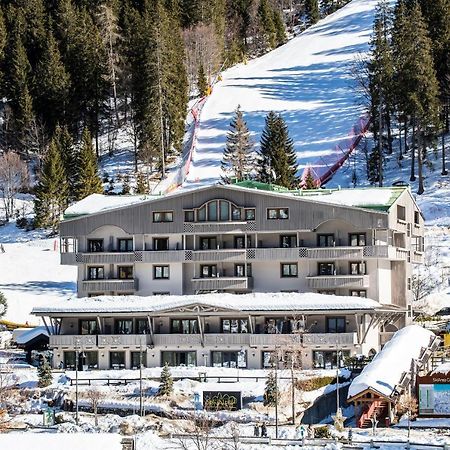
<point>251,211</point>
<point>359,242</point>
<point>96,269</point>
<point>357,292</point>
<point>162,239</point>
<point>210,270</point>
<point>166,216</point>
<point>326,263</point>
<point>278,215</point>
<point>290,237</point>
<point>337,329</point>
<point>290,275</point>
<point>126,268</point>
<point>98,240</point>
<point>127,247</point>
<point>163,267</point>
<point>360,265</point>
<point>327,236</point>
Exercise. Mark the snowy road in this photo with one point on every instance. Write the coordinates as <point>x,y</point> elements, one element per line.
<point>307,81</point>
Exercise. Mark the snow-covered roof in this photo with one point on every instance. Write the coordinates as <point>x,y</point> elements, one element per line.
<point>442,368</point>
<point>29,335</point>
<point>279,301</point>
<point>95,203</point>
<point>387,368</point>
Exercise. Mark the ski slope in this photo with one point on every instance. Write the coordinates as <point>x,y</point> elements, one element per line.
<point>307,80</point>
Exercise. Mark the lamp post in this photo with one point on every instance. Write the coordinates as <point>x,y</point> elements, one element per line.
<point>141,400</point>
<point>276,394</point>
<point>77,359</point>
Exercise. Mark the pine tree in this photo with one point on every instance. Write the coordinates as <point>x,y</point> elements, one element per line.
<point>265,15</point>
<point>69,156</point>
<point>238,159</point>
<point>52,191</point>
<point>202,82</point>
<point>278,161</point>
<point>280,29</point>
<point>3,40</point>
<point>166,384</point>
<point>141,183</point>
<point>51,85</point>
<point>45,376</point>
<point>3,304</point>
<point>312,11</point>
<point>310,182</point>
<point>271,392</point>
<point>88,181</point>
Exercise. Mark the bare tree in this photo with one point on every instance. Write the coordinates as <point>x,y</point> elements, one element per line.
<point>7,381</point>
<point>95,395</point>
<point>199,436</point>
<point>13,178</point>
<point>407,404</point>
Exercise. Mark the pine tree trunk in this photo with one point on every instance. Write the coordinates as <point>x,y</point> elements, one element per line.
<point>389,132</point>
<point>413,153</point>
<point>420,153</point>
<point>406,135</point>
<point>400,156</point>
<point>380,147</point>
<point>444,169</point>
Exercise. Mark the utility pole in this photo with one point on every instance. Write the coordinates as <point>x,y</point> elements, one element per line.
<point>77,359</point>
<point>292,390</point>
<point>276,395</point>
<point>141,400</point>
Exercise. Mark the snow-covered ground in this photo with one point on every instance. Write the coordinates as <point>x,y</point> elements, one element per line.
<point>307,80</point>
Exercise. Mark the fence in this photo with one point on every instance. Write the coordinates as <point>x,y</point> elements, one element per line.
<point>324,169</point>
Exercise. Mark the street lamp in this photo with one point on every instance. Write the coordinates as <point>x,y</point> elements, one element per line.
<point>77,359</point>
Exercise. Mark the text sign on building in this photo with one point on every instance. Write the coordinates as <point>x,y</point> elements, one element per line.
<point>434,395</point>
<point>222,400</point>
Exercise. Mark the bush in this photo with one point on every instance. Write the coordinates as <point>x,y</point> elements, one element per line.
<point>311,384</point>
<point>22,222</point>
<point>322,432</point>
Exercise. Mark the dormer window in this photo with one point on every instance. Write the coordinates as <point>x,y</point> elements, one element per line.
<point>218,211</point>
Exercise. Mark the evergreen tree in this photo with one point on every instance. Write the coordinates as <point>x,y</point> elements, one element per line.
<point>51,85</point>
<point>312,11</point>
<point>69,157</point>
<point>45,376</point>
<point>166,383</point>
<point>3,40</point>
<point>202,82</point>
<point>278,161</point>
<point>52,191</point>
<point>280,29</point>
<point>141,183</point>
<point>238,159</point>
<point>3,304</point>
<point>265,15</point>
<point>271,392</point>
<point>88,181</point>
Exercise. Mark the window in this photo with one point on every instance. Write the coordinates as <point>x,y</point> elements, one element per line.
<point>212,211</point>
<point>328,359</point>
<point>250,214</point>
<point>96,273</point>
<point>184,326</point>
<point>326,269</point>
<point>289,270</point>
<point>235,326</point>
<point>268,359</point>
<point>335,324</point>
<point>358,293</point>
<point>160,272</point>
<point>278,213</point>
<point>208,271</point>
<point>162,216</point>
<point>88,326</point>
<point>289,241</point>
<point>189,216</point>
<point>325,240</point>
<point>208,243</point>
<point>117,360</point>
<point>201,214</point>
<point>239,242</point>
<point>357,239</point>
<point>125,272</point>
<point>142,326</point>
<point>95,245</point>
<point>161,293</point>
<point>239,270</point>
<point>229,359</point>
<point>401,213</point>
<point>69,360</point>
<point>409,284</point>
<point>416,217</point>
<point>160,244</point>
<point>278,326</point>
<point>125,245</point>
<point>179,358</point>
<point>138,359</point>
<point>224,208</point>
<point>124,326</point>
<point>357,268</point>
<point>235,213</point>
<point>327,292</point>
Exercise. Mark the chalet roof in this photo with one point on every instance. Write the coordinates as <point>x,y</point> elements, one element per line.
<point>282,302</point>
<point>371,198</point>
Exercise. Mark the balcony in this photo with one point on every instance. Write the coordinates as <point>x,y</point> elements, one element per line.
<point>332,252</point>
<point>214,339</point>
<point>338,281</point>
<point>106,285</point>
<point>77,340</point>
<point>417,257</point>
<point>159,256</point>
<point>329,339</point>
<point>122,339</point>
<point>175,340</point>
<point>275,339</point>
<point>217,227</point>
<point>273,254</point>
<point>215,255</point>
<point>222,283</point>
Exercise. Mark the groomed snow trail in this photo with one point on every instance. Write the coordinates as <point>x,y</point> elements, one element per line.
<point>307,80</point>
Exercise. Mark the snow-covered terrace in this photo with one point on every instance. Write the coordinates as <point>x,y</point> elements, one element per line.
<point>255,302</point>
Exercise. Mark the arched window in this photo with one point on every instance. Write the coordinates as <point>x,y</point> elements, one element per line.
<point>218,211</point>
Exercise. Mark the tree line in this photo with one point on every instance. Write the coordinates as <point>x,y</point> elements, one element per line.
<point>407,84</point>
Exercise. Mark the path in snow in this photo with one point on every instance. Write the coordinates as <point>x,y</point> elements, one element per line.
<point>307,80</point>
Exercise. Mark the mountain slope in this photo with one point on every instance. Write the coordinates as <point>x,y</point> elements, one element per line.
<point>307,81</point>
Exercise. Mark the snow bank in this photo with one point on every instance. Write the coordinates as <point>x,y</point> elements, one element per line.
<point>387,368</point>
<point>356,197</point>
<point>58,441</point>
<point>279,301</point>
<point>98,202</point>
<point>442,368</point>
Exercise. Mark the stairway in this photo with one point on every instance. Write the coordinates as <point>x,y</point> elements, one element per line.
<point>378,409</point>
